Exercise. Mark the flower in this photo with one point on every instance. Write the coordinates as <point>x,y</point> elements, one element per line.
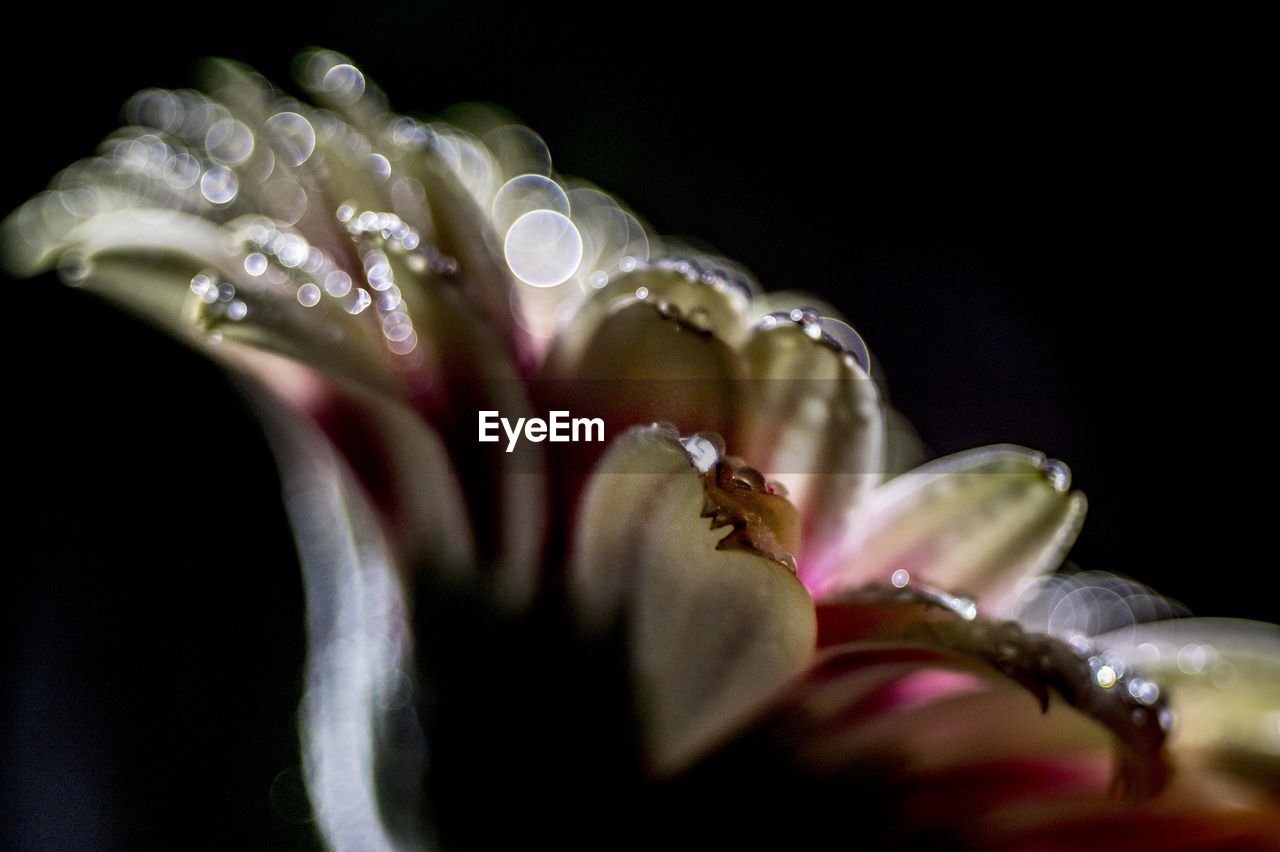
<point>647,634</point>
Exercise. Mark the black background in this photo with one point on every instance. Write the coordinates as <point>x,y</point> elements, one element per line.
<point>1043,229</point>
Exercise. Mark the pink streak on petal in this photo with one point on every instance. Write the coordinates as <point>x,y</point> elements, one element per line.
<point>925,687</point>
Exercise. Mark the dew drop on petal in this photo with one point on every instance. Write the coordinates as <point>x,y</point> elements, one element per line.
<point>308,295</point>
<point>255,264</point>
<point>844,338</point>
<point>1192,659</point>
<point>1058,474</point>
<point>229,141</point>
<point>237,310</point>
<point>524,194</point>
<point>900,578</point>
<point>219,185</point>
<point>343,83</point>
<point>337,283</point>
<point>704,452</point>
<point>543,248</point>
<point>296,135</point>
<point>357,301</point>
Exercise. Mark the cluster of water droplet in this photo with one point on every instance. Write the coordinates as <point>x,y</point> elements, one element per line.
<point>828,330</point>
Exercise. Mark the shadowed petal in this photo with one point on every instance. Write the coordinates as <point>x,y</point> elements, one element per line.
<point>715,621</point>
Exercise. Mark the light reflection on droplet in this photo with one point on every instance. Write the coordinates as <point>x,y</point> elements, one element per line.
<point>1192,658</point>
<point>1105,676</point>
<point>343,83</point>
<point>308,295</point>
<point>524,194</point>
<point>229,141</point>
<point>405,345</point>
<point>1058,474</point>
<point>518,150</point>
<point>704,451</point>
<point>255,264</point>
<point>297,136</point>
<point>181,171</point>
<point>337,283</point>
<point>219,185</point>
<point>155,108</point>
<point>900,578</point>
<point>237,310</point>
<point>357,301</point>
<point>642,293</point>
<point>543,248</point>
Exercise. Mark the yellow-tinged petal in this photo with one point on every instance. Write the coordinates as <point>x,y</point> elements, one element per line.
<point>979,522</point>
<point>1222,680</point>
<point>716,620</point>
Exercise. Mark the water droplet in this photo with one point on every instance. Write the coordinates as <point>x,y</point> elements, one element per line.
<point>543,248</point>
<point>900,578</point>
<point>642,293</point>
<point>1105,676</point>
<point>842,336</point>
<point>202,285</point>
<point>73,268</point>
<point>705,450</point>
<point>292,251</point>
<point>255,264</point>
<point>1058,474</point>
<point>219,185</point>
<point>627,263</point>
<point>296,136</point>
<point>237,310</point>
<point>1192,659</point>
<point>1143,690</point>
<point>524,194</point>
<point>598,279</point>
<point>357,301</point>
<point>229,141</point>
<point>337,283</point>
<point>405,345</point>
<point>308,295</point>
<point>379,165</point>
<point>181,171</point>
<point>345,212</point>
<point>343,83</point>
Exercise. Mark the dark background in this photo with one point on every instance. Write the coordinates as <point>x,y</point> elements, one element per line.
<point>1042,229</point>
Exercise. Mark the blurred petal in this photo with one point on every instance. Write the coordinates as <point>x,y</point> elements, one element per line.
<point>717,622</point>
<point>362,742</point>
<point>1222,677</point>
<point>980,522</point>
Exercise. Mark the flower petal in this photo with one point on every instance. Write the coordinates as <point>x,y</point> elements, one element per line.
<point>980,522</point>
<point>813,423</point>
<point>1222,677</point>
<point>715,624</point>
